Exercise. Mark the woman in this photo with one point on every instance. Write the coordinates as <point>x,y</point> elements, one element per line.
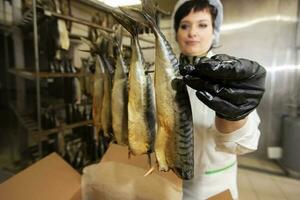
<point>227,91</point>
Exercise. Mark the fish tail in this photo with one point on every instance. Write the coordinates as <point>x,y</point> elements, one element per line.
<point>129,24</point>
<point>146,16</point>
<point>149,9</point>
<point>149,171</point>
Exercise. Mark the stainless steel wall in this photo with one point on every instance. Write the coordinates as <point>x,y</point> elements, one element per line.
<point>266,31</point>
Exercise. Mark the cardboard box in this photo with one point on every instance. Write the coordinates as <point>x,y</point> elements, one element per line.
<point>52,178</point>
<point>48,179</point>
<point>226,195</point>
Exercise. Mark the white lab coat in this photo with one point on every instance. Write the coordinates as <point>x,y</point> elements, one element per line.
<point>215,165</point>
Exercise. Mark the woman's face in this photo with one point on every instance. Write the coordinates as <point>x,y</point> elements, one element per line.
<point>195,33</point>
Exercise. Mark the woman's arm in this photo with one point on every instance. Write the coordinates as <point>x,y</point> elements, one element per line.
<point>237,137</point>
<point>226,126</point>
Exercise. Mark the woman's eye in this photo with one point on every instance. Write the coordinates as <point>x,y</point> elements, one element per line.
<point>184,26</point>
<point>202,25</point>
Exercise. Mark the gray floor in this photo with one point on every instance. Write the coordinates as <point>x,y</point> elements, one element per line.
<point>266,183</point>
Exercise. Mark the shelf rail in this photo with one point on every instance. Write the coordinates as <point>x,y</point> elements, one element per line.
<point>89,24</point>
<point>31,75</point>
<point>37,69</point>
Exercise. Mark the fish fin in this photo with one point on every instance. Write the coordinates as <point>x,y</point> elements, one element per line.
<point>128,23</point>
<point>149,171</point>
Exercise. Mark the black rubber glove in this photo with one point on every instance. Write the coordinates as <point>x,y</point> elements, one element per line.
<point>230,86</point>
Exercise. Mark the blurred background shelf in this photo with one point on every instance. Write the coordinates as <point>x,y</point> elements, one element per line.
<point>31,125</point>
<point>33,75</point>
<point>62,128</point>
<point>5,27</point>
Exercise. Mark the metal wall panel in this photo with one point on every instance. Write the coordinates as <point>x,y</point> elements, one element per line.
<point>265,31</point>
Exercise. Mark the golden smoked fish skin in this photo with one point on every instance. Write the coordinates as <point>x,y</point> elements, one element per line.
<point>140,135</point>
<point>174,144</point>
<point>120,101</point>
<point>98,90</point>
<point>141,115</point>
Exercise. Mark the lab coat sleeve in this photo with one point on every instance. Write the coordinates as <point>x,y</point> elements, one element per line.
<point>241,141</point>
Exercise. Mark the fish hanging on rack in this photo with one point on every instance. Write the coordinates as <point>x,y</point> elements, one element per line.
<point>174,144</point>
<point>98,86</point>
<point>66,9</point>
<point>96,35</point>
<point>106,114</point>
<point>120,96</point>
<point>88,65</point>
<point>141,116</point>
<point>63,40</point>
<point>92,32</point>
<point>77,90</point>
<point>99,48</point>
<point>98,91</point>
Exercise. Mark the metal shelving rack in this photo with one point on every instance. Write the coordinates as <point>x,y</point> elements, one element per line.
<point>30,125</point>
<point>31,18</point>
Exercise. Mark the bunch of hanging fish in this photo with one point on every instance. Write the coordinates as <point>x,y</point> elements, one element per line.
<point>173,142</point>
<point>109,88</point>
<point>124,106</point>
<point>141,112</point>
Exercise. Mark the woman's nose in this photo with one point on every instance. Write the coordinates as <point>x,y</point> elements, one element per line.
<point>192,31</point>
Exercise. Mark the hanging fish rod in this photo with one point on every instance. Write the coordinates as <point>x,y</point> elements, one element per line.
<point>87,23</point>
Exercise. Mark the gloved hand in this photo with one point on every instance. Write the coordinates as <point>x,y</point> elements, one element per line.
<point>230,86</point>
